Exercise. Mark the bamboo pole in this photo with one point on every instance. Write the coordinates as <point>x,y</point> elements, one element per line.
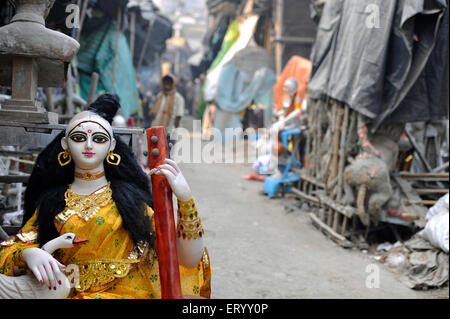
<point>278,34</point>
<point>93,88</point>
<point>334,157</point>
<point>50,102</point>
<point>82,16</point>
<point>342,157</point>
<point>331,129</point>
<point>132,32</point>
<point>70,110</point>
<point>116,52</point>
<point>308,152</point>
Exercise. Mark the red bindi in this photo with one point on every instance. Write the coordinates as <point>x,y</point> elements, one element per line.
<point>89,131</point>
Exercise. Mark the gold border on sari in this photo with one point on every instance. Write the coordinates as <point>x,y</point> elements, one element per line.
<point>101,271</point>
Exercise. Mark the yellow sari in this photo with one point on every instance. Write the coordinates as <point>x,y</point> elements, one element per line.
<point>109,265</point>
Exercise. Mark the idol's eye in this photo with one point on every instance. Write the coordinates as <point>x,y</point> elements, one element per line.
<point>99,138</point>
<point>78,138</point>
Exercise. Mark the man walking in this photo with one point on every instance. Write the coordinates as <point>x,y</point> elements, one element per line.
<point>169,105</point>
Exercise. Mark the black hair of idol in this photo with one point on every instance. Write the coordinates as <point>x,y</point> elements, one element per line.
<point>130,185</point>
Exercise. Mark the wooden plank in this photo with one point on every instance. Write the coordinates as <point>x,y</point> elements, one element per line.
<point>303,175</point>
<point>347,211</point>
<point>14,178</point>
<point>339,239</point>
<point>423,175</point>
<point>32,117</point>
<point>428,202</point>
<point>423,191</point>
<point>302,195</point>
<point>19,160</point>
<point>17,153</point>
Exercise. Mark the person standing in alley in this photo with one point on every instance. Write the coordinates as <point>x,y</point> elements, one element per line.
<point>169,105</point>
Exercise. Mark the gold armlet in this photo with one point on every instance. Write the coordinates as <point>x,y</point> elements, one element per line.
<point>189,224</point>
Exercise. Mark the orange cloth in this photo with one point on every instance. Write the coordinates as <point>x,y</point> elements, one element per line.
<point>298,68</point>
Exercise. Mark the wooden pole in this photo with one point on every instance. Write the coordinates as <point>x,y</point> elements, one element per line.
<point>309,140</point>
<point>50,103</point>
<point>278,34</point>
<point>132,32</point>
<point>334,158</point>
<point>69,93</point>
<point>342,157</point>
<point>82,16</point>
<point>116,52</point>
<point>93,88</point>
<point>144,48</point>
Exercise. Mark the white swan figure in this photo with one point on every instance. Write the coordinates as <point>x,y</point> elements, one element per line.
<point>28,287</point>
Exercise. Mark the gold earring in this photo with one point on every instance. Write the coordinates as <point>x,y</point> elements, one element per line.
<point>113,158</point>
<point>64,155</point>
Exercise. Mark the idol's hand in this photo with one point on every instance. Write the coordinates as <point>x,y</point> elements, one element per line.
<point>175,178</point>
<point>44,267</point>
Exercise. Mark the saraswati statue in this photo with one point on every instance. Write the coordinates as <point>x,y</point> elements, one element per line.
<point>87,182</point>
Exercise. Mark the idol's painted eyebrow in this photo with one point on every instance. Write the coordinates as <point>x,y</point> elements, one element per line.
<point>79,125</point>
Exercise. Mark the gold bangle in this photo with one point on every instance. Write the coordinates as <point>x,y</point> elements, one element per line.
<point>186,206</point>
<point>190,234</point>
<point>189,223</point>
<point>186,216</point>
<point>18,260</point>
<point>190,229</point>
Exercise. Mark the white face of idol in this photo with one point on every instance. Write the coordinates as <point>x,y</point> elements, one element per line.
<point>89,144</point>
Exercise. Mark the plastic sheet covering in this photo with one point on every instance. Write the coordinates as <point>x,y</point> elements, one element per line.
<point>237,90</point>
<point>230,37</point>
<point>246,30</point>
<point>372,66</point>
<point>298,68</point>
<point>96,54</point>
<point>252,58</point>
<point>436,230</point>
<point>213,48</point>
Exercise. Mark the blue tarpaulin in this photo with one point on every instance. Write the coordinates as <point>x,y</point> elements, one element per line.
<point>237,90</point>
<point>96,54</point>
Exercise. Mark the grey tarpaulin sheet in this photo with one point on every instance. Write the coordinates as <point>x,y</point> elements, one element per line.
<point>428,99</point>
<point>373,68</point>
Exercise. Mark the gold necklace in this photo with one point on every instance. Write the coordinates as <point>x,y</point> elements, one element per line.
<point>89,176</point>
<point>86,206</point>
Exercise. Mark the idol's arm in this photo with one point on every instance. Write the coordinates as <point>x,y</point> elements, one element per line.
<point>11,260</point>
<point>190,231</point>
<point>22,252</point>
